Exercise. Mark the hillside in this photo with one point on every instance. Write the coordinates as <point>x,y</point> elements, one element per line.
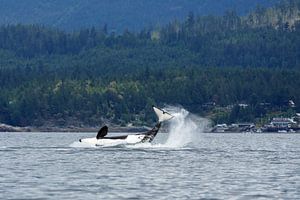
<point>93,76</point>
<point>118,14</point>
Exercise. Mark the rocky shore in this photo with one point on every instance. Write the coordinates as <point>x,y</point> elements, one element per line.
<point>9,128</point>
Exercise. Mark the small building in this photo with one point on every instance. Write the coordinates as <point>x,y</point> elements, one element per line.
<point>281,122</point>
<point>292,104</point>
<point>243,105</point>
<point>297,115</point>
<point>209,105</point>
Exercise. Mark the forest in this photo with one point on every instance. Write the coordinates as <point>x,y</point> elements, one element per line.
<point>95,76</point>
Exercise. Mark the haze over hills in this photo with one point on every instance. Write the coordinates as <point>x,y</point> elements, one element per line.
<point>117,14</point>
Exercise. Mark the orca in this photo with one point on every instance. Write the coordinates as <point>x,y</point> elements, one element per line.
<point>102,139</point>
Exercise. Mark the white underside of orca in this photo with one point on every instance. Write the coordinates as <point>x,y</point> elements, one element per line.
<point>102,140</point>
<point>130,139</point>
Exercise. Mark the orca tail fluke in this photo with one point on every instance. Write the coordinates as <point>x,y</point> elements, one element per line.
<point>161,114</point>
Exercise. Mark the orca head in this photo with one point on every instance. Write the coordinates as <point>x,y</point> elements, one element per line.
<point>79,140</point>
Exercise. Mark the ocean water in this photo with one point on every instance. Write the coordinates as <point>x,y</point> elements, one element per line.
<point>206,166</point>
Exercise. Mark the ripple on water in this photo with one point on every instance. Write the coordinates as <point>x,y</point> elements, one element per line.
<point>222,166</point>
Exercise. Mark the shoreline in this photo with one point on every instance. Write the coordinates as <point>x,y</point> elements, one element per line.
<point>131,129</point>
<point>114,128</point>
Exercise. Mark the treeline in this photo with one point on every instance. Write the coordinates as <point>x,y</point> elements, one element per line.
<point>264,38</point>
<point>129,98</point>
<point>96,76</point>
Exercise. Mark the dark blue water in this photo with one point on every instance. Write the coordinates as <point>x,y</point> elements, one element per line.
<point>217,166</point>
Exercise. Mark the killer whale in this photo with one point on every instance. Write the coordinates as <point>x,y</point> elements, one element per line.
<point>102,139</point>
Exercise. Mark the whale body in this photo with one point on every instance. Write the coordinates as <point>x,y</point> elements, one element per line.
<point>102,139</point>
<point>118,140</point>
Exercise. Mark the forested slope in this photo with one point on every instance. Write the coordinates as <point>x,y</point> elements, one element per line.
<point>94,76</point>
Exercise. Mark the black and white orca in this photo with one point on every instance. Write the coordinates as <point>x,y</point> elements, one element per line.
<point>103,140</point>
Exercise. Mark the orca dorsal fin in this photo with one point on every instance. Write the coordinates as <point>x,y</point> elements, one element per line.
<point>102,132</point>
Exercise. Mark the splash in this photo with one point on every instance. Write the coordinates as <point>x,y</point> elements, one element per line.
<point>185,128</point>
<point>184,131</point>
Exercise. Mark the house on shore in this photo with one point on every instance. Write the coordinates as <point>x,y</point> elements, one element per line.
<point>281,124</point>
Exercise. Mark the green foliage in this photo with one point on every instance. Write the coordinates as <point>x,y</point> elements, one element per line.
<point>126,98</point>
<point>94,76</point>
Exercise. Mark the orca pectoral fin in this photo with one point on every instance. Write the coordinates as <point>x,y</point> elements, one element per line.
<point>102,132</point>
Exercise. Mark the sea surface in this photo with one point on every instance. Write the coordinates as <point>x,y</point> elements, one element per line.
<point>212,166</point>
